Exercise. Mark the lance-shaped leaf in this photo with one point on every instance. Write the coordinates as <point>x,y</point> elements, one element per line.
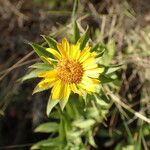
<point>41,66</point>
<point>109,52</point>
<point>99,48</point>
<point>30,75</point>
<point>63,103</point>
<point>63,130</point>
<point>47,127</point>
<point>111,69</point>
<point>105,79</point>
<point>94,48</point>
<point>84,39</point>
<point>50,41</point>
<point>84,124</point>
<point>41,51</point>
<point>76,33</point>
<point>91,139</point>
<point>51,104</point>
<point>50,143</point>
<point>38,89</point>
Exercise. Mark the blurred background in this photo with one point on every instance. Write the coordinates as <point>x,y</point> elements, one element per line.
<point>126,22</point>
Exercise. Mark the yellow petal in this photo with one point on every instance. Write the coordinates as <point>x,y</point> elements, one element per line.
<point>93,54</point>
<point>57,90</point>
<point>89,66</point>
<point>75,51</point>
<point>49,60</point>
<point>65,45</point>
<point>48,74</point>
<point>45,59</point>
<point>87,80</point>
<point>46,83</point>
<point>54,52</point>
<point>95,81</point>
<point>74,89</point>
<point>66,92</point>
<point>94,73</point>
<point>84,54</point>
<point>89,61</point>
<point>64,48</point>
<point>61,49</point>
<point>88,89</point>
<point>87,84</point>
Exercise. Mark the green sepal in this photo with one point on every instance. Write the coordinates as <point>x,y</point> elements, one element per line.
<point>84,39</point>
<point>76,33</point>
<point>40,50</point>
<point>50,41</point>
<point>49,61</point>
<point>38,89</point>
<point>44,66</point>
<point>30,75</point>
<point>63,103</point>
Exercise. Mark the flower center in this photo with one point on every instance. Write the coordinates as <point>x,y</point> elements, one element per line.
<point>69,71</point>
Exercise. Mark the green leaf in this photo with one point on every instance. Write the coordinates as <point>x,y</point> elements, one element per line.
<point>92,112</point>
<point>44,66</point>
<point>110,50</point>
<point>74,11</point>
<point>71,107</point>
<point>41,51</point>
<point>84,124</point>
<point>94,48</point>
<point>101,50</point>
<point>146,130</point>
<point>84,39</point>
<point>53,147</point>
<point>63,130</point>
<point>30,75</point>
<point>111,69</point>
<point>105,79</point>
<point>46,143</point>
<point>91,139</point>
<point>47,127</point>
<point>49,61</point>
<point>129,147</point>
<point>51,42</point>
<point>102,100</point>
<point>99,47</point>
<point>38,89</point>
<point>76,34</point>
<point>51,104</point>
<point>34,73</point>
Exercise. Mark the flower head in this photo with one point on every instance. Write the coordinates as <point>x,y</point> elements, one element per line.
<point>74,71</point>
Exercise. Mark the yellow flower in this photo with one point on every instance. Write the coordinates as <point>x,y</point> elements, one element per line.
<point>74,71</point>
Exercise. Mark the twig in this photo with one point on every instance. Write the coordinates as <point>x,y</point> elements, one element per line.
<point>16,64</point>
<point>137,114</point>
